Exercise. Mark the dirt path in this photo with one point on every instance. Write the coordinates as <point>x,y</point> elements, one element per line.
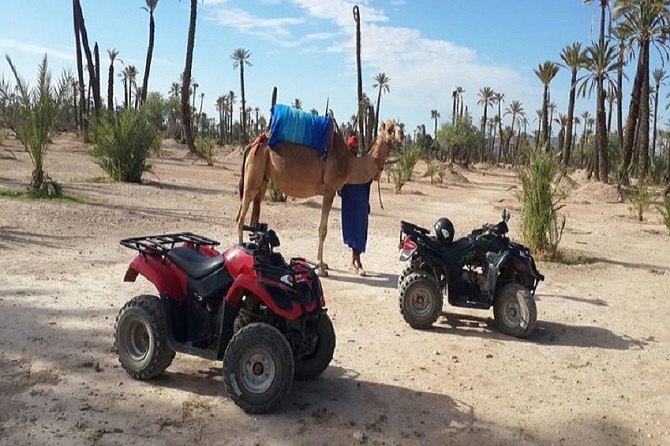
<point>594,372</point>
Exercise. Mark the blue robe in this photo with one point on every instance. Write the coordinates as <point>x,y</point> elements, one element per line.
<point>355,211</point>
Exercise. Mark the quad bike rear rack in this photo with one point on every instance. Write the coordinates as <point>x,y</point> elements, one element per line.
<point>159,245</point>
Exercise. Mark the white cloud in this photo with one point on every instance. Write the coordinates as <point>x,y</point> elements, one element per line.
<point>243,21</point>
<point>422,70</point>
<point>12,45</point>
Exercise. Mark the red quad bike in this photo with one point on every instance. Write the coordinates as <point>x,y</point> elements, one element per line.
<point>264,317</point>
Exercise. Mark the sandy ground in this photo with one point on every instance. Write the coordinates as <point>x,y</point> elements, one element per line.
<point>595,371</point>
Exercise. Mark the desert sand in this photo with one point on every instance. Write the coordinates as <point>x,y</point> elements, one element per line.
<point>595,371</point>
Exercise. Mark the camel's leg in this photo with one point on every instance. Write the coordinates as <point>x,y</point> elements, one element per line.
<point>253,182</point>
<point>323,231</point>
<point>244,207</point>
<point>256,209</point>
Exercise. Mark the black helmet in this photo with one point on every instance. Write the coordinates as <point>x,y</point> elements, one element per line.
<point>444,230</point>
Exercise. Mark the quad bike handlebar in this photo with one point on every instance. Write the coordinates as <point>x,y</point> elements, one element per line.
<point>260,235</point>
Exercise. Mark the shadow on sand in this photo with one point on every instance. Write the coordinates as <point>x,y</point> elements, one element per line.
<point>379,280</point>
<point>545,333</point>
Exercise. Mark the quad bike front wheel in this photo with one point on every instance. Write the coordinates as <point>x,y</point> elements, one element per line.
<point>514,310</point>
<point>311,366</point>
<point>258,367</point>
<point>141,338</point>
<point>420,299</point>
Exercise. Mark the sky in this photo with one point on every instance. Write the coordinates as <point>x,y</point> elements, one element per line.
<point>306,48</point>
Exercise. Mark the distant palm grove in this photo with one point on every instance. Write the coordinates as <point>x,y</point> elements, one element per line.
<point>613,148</point>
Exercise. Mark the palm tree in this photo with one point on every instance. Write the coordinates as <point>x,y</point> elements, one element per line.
<point>435,115</point>
<point>151,7</point>
<point>546,72</point>
<point>33,116</point>
<point>574,58</point>
<point>197,124</point>
<point>601,63</point>
<point>231,103</point>
<point>297,104</point>
<point>382,86</point>
<point>131,72</point>
<point>175,88</point>
<point>515,109</point>
<point>643,23</point>
<point>486,99</point>
<point>499,98</point>
<point>222,108</point>
<point>616,33</point>
<point>186,81</point>
<point>660,76</point>
<point>562,120</point>
<point>240,58</point>
<point>113,53</point>
<point>456,96</point>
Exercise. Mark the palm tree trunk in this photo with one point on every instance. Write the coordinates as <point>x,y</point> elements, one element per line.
<point>359,75</point>
<point>567,148</point>
<point>644,117</point>
<point>379,100</point>
<point>244,105</point>
<point>609,118</point>
<point>653,145</point>
<point>484,119</point>
<point>545,118</point>
<point>150,52</point>
<point>93,80</point>
<point>198,123</point>
<point>96,86</point>
<point>619,104</point>
<point>631,121</point>
<point>186,83</point>
<point>80,67</point>
<point>601,139</point>
<point>110,87</point>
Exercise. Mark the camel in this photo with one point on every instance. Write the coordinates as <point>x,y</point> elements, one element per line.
<point>299,172</point>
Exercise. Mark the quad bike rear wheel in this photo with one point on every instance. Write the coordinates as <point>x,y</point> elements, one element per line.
<point>311,366</point>
<point>420,299</point>
<point>141,338</point>
<point>514,310</point>
<point>258,367</point>
<point>412,266</point>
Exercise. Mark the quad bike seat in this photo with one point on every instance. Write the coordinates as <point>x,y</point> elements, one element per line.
<point>194,263</point>
<point>454,251</point>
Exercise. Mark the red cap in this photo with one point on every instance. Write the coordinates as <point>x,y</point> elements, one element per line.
<point>352,141</point>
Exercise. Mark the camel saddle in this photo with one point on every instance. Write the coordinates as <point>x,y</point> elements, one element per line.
<point>300,127</point>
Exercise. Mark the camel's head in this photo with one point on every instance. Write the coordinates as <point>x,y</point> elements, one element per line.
<point>390,134</point>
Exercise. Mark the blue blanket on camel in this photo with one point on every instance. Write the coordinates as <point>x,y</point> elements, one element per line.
<point>300,127</point>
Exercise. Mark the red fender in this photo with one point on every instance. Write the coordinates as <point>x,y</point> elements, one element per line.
<point>168,280</point>
<point>246,284</point>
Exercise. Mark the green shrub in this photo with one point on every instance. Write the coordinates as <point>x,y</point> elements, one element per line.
<point>665,212</point>
<point>541,226</point>
<point>206,147</point>
<point>33,114</point>
<point>122,145</point>
<point>431,170</point>
<point>640,200</point>
<point>401,171</point>
<point>276,195</point>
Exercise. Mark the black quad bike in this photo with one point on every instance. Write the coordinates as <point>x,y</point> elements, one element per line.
<point>481,270</point>
<point>264,317</point>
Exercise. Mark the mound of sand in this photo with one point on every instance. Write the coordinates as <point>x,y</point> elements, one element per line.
<point>454,177</point>
<point>596,192</point>
<point>566,184</point>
